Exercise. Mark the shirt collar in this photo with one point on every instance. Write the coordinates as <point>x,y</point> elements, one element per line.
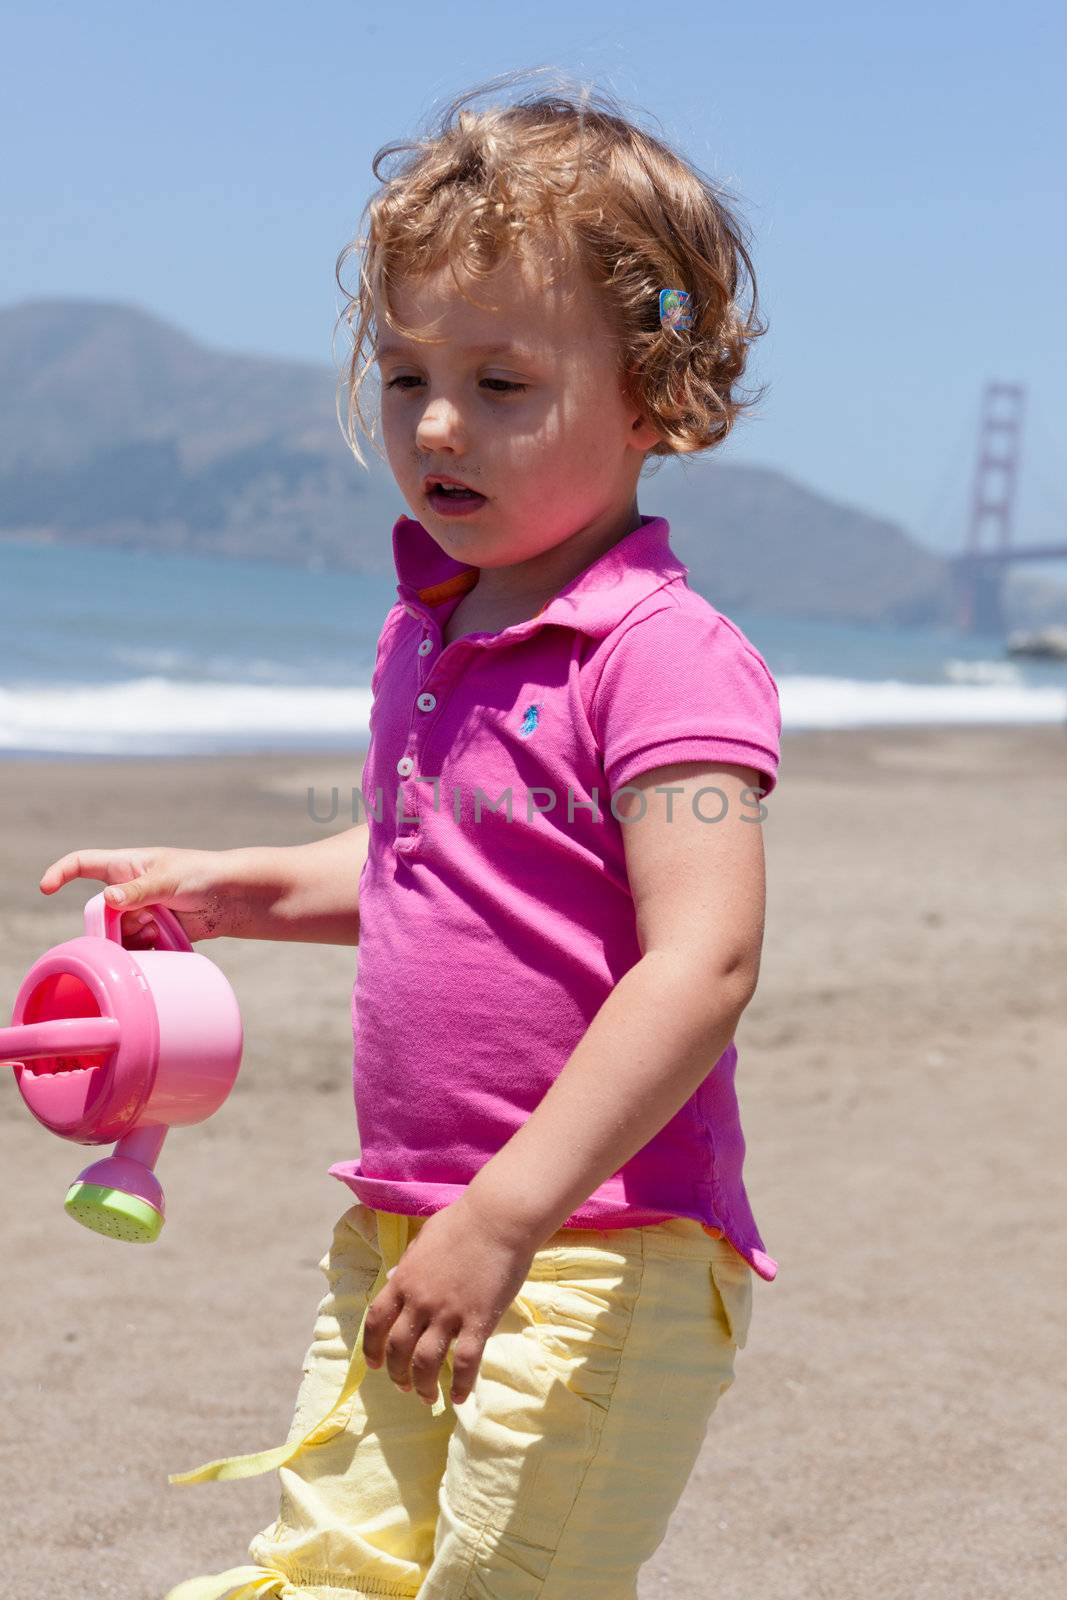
<point>593,602</point>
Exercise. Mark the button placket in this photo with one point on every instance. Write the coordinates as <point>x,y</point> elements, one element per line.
<point>425,703</point>
<point>408,810</point>
<point>406,797</point>
<point>407,807</point>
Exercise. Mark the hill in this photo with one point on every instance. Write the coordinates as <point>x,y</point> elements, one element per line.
<point>117,428</point>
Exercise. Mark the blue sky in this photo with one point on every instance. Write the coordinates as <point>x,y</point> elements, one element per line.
<point>900,168</point>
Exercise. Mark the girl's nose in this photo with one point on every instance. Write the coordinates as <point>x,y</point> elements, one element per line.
<point>440,423</point>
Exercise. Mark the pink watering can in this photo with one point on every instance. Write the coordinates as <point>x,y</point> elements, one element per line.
<point>115,1044</point>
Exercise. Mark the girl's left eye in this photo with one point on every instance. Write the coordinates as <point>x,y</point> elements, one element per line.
<point>505,386</point>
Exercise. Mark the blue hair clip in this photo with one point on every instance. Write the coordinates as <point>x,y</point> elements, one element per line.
<point>673,311</point>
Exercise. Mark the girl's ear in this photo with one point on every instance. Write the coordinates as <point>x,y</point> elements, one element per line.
<point>644,435</point>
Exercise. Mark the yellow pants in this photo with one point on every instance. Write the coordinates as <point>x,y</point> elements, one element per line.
<point>555,1478</point>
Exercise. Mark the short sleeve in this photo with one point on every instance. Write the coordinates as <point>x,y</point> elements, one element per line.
<point>684,684</point>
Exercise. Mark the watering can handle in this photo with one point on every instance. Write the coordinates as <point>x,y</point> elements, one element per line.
<point>105,922</point>
<point>59,1036</point>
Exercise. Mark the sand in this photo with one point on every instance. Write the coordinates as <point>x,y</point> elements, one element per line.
<point>897,1424</point>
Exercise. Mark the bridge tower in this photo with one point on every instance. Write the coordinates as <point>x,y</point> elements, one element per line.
<point>979,573</point>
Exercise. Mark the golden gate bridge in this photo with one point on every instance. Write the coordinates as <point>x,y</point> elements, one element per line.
<point>978,575</point>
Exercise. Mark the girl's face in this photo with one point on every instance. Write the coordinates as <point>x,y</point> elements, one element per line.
<point>540,428</point>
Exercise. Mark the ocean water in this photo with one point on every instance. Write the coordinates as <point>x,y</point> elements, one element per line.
<point>112,652</point>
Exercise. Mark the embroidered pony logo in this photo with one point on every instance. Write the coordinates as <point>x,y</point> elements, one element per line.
<point>529,721</point>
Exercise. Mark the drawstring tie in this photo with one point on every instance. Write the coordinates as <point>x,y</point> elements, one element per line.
<point>393,1236</point>
<point>247,1583</point>
<point>257,1583</point>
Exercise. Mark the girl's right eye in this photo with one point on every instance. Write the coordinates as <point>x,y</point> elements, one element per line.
<point>505,386</point>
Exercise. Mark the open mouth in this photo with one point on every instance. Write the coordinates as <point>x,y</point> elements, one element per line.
<point>450,499</point>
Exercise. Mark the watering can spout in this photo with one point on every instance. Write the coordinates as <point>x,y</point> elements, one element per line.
<point>121,1195</point>
<point>59,1036</point>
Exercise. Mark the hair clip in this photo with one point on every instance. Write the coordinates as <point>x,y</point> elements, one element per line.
<point>672,309</point>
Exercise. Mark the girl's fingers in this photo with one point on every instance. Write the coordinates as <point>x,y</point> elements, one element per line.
<point>59,872</point>
<point>141,892</point>
<point>83,864</point>
<point>466,1359</point>
<point>132,869</point>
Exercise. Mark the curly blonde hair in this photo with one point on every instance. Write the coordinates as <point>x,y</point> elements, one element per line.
<point>618,202</point>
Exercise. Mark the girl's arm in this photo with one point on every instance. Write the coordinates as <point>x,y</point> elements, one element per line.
<point>300,892</point>
<point>306,892</point>
<point>699,894</point>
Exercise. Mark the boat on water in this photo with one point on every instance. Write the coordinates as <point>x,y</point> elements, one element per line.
<point>1044,644</point>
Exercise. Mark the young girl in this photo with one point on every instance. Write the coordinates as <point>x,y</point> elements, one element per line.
<point>536,1300</point>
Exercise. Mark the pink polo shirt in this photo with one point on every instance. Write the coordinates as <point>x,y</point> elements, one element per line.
<point>495,910</point>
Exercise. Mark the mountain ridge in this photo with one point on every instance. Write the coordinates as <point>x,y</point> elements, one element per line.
<point>119,428</point>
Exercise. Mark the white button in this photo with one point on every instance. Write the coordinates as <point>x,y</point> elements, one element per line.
<point>426,702</point>
<point>405,766</point>
<point>425,647</point>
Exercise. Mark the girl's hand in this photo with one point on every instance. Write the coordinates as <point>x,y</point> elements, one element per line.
<point>455,1280</point>
<point>209,891</point>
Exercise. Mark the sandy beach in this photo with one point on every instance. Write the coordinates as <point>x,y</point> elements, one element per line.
<point>896,1428</point>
